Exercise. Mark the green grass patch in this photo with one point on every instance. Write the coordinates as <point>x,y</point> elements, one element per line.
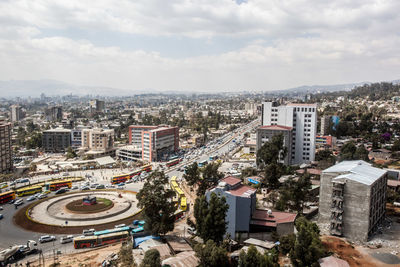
<point>105,201</point>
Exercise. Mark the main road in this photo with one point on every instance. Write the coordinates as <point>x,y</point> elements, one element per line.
<point>11,234</point>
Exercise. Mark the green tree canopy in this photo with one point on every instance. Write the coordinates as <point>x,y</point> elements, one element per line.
<point>192,174</point>
<point>255,258</point>
<point>308,248</point>
<point>151,259</point>
<point>156,200</point>
<point>271,151</point>
<point>211,255</point>
<point>210,217</point>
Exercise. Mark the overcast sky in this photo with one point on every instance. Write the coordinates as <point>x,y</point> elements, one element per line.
<point>200,45</point>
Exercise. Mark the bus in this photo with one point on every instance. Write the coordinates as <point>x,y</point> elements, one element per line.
<point>122,178</point>
<point>100,240</point>
<point>7,197</point>
<point>173,162</point>
<point>147,168</point>
<point>54,186</point>
<point>114,230</point>
<point>203,163</point>
<point>183,205</point>
<point>29,190</point>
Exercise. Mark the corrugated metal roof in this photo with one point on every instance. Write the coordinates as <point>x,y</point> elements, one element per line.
<point>356,170</point>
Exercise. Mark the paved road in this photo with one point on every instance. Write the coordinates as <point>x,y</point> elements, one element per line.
<point>11,234</point>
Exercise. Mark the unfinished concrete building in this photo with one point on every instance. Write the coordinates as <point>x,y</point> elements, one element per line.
<point>352,199</point>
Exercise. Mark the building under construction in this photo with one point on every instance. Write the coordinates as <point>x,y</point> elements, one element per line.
<point>352,199</point>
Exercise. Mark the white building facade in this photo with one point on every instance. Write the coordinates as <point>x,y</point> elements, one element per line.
<point>302,118</point>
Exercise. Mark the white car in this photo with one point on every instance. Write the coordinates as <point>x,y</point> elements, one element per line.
<point>19,202</point>
<point>88,232</point>
<point>120,225</point>
<point>47,238</point>
<point>66,239</point>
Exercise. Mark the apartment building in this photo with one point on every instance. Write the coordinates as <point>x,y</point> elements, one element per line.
<point>16,113</point>
<point>56,140</point>
<point>157,142</point>
<point>98,139</point>
<point>265,133</point>
<point>6,161</point>
<point>53,113</point>
<point>352,199</point>
<point>96,105</point>
<point>302,118</point>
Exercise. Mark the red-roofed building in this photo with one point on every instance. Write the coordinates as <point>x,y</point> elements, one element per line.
<point>242,209</point>
<point>264,220</point>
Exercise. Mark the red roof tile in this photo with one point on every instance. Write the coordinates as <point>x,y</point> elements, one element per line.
<point>231,180</point>
<point>261,217</point>
<point>243,191</point>
<point>276,127</point>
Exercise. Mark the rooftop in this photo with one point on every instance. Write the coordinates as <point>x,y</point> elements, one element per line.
<point>276,127</point>
<point>231,180</point>
<point>261,217</point>
<point>356,170</point>
<point>242,191</point>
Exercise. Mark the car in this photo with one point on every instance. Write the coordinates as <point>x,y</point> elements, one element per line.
<point>83,188</point>
<point>1,207</point>
<point>3,185</point>
<point>120,225</point>
<point>129,181</point>
<point>31,198</point>
<point>121,184</point>
<point>75,187</point>
<point>41,196</point>
<point>12,201</point>
<point>94,185</point>
<point>47,238</point>
<point>46,192</point>
<point>66,239</point>
<point>88,232</point>
<point>110,186</point>
<point>100,186</point>
<point>19,202</point>
<point>61,191</point>
<point>121,187</point>
<point>1,216</point>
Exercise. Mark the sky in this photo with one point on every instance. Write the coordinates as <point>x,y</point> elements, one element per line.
<point>200,45</point>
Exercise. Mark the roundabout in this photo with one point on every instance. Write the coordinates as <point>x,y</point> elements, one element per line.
<point>57,210</point>
<point>67,214</point>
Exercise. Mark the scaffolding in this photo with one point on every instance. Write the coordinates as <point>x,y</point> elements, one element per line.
<point>337,207</point>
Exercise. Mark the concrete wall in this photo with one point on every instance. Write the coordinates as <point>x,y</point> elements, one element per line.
<point>285,228</point>
<point>325,197</point>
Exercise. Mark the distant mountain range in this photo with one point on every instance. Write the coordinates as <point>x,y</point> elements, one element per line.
<point>24,88</point>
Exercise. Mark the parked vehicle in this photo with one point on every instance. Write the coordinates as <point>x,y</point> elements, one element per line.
<point>100,186</point>
<point>75,188</point>
<point>47,238</point>
<point>31,198</point>
<point>120,225</point>
<point>1,216</point>
<point>41,196</point>
<point>66,239</point>
<point>83,188</point>
<point>88,232</point>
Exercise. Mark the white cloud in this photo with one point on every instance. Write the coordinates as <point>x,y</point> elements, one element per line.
<point>288,42</point>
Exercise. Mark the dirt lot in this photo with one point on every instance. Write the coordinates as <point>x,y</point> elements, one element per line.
<point>84,258</point>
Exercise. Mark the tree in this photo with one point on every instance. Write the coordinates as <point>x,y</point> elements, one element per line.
<point>156,200</point>
<point>210,217</point>
<point>71,153</point>
<point>272,173</point>
<point>125,257</point>
<point>151,259</point>
<point>287,243</point>
<point>249,171</point>
<point>361,153</point>
<point>35,141</point>
<point>293,194</point>
<point>308,248</point>
<point>211,255</point>
<point>192,174</point>
<point>347,151</point>
<point>396,145</point>
<point>210,177</point>
<point>271,151</point>
<point>255,258</point>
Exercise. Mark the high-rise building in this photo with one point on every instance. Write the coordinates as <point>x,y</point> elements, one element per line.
<point>325,124</point>
<point>157,142</point>
<point>352,199</point>
<point>96,105</point>
<point>56,140</point>
<point>53,113</point>
<point>303,119</point>
<point>16,113</point>
<point>6,161</point>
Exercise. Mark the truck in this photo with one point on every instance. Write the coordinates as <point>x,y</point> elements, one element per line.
<point>16,252</point>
